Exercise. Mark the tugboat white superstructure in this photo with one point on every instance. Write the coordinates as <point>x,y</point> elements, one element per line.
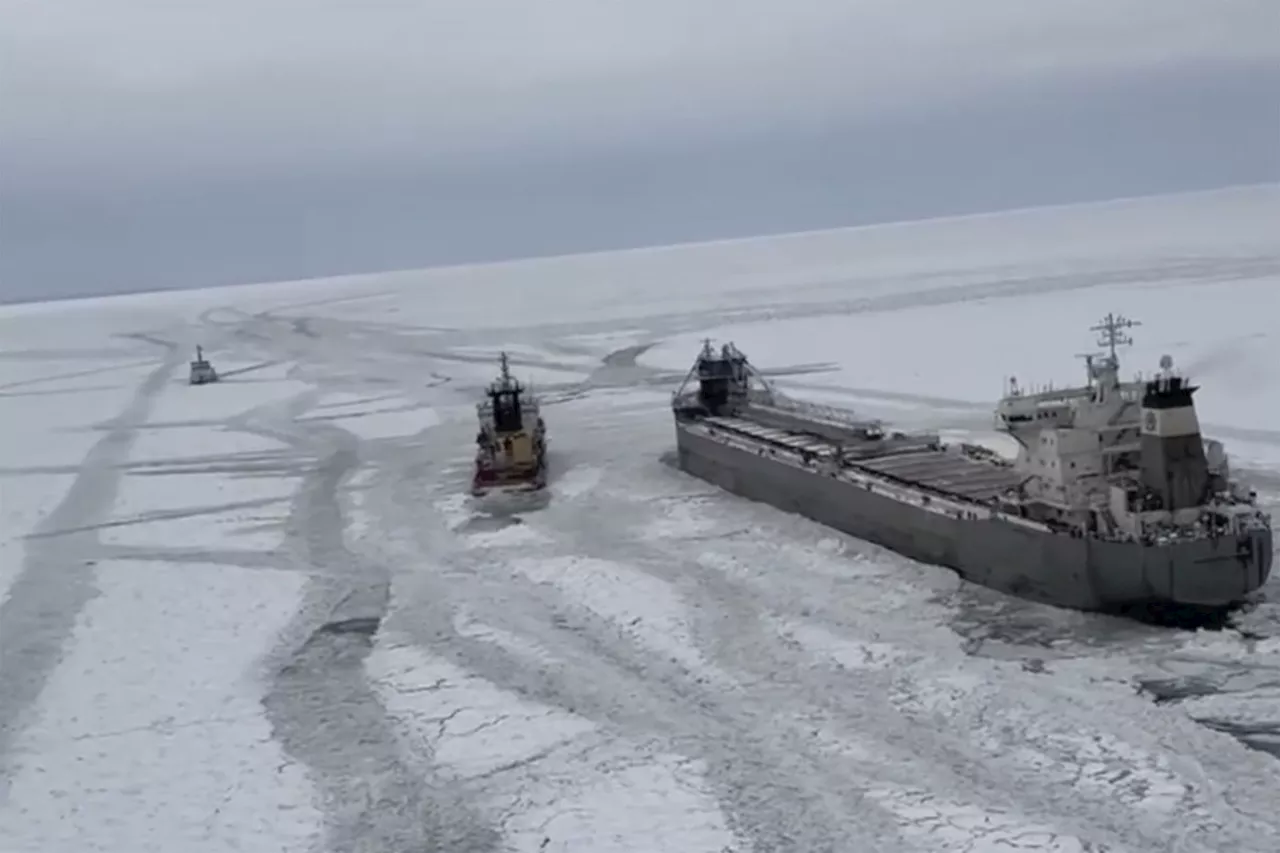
<point>511,444</point>
<point>1115,499</point>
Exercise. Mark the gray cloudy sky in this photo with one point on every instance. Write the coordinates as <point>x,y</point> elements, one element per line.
<point>148,144</point>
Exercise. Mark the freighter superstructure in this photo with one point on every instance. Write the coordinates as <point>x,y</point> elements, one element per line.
<point>1124,460</point>
<point>1114,499</point>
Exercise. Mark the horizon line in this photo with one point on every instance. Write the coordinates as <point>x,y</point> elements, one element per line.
<point>531,260</point>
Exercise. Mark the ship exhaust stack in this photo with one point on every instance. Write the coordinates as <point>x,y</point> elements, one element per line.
<point>1174,467</point>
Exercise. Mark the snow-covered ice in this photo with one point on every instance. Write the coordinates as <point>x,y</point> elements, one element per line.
<point>636,603</point>
<point>265,614</point>
<point>558,783</point>
<point>375,418</point>
<point>151,735</point>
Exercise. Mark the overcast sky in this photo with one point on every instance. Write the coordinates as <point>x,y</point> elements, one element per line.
<point>148,144</point>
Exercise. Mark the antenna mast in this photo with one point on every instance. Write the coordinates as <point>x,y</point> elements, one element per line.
<point>1111,333</point>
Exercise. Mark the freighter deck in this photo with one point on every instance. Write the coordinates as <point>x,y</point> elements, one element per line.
<point>786,439</point>
<point>946,472</point>
<point>938,470</point>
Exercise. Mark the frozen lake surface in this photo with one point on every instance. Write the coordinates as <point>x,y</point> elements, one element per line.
<point>264,615</point>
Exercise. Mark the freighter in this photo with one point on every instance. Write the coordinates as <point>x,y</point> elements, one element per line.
<point>511,443</point>
<point>1114,501</point>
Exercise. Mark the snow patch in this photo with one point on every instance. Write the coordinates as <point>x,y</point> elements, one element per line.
<point>613,340</point>
<point>339,400</point>
<point>620,805</point>
<point>848,653</point>
<point>26,501</point>
<point>146,522</point>
<point>455,510</point>
<point>944,694</point>
<point>946,826</point>
<point>1055,735</point>
<point>151,734</point>
<point>560,784</point>
<point>463,723</point>
<point>376,418</point>
<point>467,626</point>
<point>511,536</point>
<point>576,481</point>
<point>225,399</point>
<point>57,430</point>
<point>679,520</point>
<point>640,605</point>
<point>204,445</point>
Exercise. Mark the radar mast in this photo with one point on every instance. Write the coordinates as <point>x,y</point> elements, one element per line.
<point>1111,334</point>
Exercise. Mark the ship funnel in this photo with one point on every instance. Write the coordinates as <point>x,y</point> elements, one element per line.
<point>1173,458</point>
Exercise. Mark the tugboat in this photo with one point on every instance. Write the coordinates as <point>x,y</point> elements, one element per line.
<point>511,445</point>
<point>1115,502</point>
<point>202,371</point>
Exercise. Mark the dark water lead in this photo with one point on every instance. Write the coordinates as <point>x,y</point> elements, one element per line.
<point>1263,736</point>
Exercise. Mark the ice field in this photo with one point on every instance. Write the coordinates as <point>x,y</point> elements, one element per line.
<point>264,614</point>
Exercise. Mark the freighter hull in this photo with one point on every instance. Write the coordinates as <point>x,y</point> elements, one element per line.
<point>1055,568</point>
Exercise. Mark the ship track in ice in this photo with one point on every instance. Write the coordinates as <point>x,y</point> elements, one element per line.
<point>953,482</point>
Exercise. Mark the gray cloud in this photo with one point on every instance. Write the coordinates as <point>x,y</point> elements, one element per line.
<point>146,145</point>
<point>257,83</point>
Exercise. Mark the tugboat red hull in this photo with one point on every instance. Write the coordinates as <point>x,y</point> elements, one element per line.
<point>487,481</point>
